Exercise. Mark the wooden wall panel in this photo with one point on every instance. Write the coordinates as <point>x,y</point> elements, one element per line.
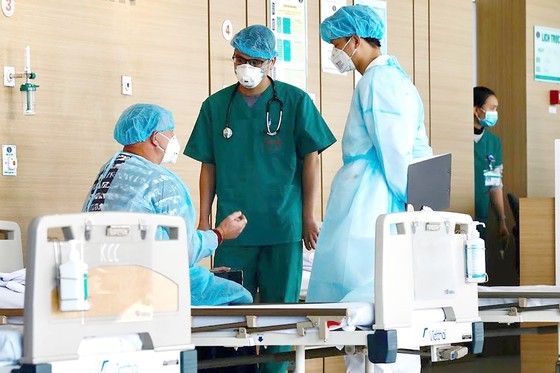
<point>451,70</point>
<point>536,217</point>
<point>500,45</point>
<point>542,127</point>
<point>400,32</point>
<point>314,365</point>
<point>537,260</point>
<point>257,12</point>
<point>421,70</point>
<point>335,97</point>
<point>335,364</point>
<point>221,65</point>
<point>314,74</point>
<point>79,50</point>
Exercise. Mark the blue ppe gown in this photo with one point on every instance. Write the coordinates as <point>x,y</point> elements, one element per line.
<point>384,132</point>
<point>129,182</point>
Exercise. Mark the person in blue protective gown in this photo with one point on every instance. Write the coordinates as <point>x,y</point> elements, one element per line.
<point>384,132</point>
<point>134,180</point>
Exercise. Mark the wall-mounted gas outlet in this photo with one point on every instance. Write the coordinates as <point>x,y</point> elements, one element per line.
<point>126,85</point>
<point>9,82</point>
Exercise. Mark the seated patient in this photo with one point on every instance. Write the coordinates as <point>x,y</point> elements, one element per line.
<point>134,180</point>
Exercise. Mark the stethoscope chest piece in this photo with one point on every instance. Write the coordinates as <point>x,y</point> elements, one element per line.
<point>227,133</point>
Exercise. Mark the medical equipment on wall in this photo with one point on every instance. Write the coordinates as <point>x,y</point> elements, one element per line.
<point>475,254</point>
<point>228,132</point>
<point>27,89</point>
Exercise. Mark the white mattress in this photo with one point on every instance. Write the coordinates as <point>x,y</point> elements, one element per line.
<point>531,302</point>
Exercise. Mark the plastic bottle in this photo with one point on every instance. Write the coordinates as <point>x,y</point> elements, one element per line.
<point>74,283</point>
<point>475,255</point>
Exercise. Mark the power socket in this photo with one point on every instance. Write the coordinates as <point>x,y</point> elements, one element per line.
<point>126,85</point>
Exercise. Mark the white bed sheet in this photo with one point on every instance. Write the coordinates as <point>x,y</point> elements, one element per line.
<point>10,298</point>
<point>11,344</point>
<point>12,288</point>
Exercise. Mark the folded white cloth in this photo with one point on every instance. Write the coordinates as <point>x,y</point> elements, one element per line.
<point>14,281</point>
<point>10,298</point>
<point>12,288</point>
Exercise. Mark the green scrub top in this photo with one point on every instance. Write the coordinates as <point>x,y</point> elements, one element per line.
<point>489,144</point>
<point>258,174</point>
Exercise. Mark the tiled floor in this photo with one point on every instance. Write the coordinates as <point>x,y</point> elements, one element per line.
<point>491,364</point>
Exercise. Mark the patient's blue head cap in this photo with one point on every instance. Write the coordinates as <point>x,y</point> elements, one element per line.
<point>358,20</point>
<point>140,121</point>
<point>256,41</point>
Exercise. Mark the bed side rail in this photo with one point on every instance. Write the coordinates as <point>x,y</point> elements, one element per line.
<point>138,282</point>
<point>420,264</point>
<point>10,246</point>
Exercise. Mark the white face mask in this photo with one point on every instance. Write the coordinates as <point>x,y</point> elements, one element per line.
<point>249,76</point>
<point>171,152</point>
<point>341,60</point>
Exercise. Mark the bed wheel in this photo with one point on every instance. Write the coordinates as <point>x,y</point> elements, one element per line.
<point>189,361</point>
<point>33,368</point>
<point>477,343</point>
<point>382,346</point>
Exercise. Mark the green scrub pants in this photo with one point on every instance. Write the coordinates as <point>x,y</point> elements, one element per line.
<point>274,270</point>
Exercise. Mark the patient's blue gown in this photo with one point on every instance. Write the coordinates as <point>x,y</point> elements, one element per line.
<point>129,182</point>
<point>384,132</point>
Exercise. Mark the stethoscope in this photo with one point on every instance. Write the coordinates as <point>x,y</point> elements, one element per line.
<point>228,132</point>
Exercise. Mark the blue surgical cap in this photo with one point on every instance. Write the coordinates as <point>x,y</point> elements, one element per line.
<point>256,41</point>
<point>358,20</point>
<point>140,121</point>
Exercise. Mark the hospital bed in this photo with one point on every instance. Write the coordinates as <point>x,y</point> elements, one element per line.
<point>535,304</point>
<point>10,247</point>
<point>138,297</point>
<point>522,304</point>
<point>12,275</point>
<point>421,299</point>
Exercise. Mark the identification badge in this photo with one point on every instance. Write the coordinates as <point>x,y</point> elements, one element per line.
<point>493,177</point>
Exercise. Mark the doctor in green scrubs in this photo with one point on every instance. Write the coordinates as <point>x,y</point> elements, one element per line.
<point>259,142</point>
<point>488,166</point>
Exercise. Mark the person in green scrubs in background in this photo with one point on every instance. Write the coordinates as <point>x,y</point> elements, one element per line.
<point>259,142</point>
<point>488,166</point>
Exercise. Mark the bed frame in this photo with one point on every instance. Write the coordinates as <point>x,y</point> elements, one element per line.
<point>137,284</point>
<point>419,269</point>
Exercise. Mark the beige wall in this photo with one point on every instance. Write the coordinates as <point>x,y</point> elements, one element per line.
<point>501,66</point>
<point>505,64</point>
<point>176,57</point>
<point>542,127</point>
<point>79,50</point>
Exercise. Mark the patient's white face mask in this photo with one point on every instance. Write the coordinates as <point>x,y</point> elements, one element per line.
<point>171,152</point>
